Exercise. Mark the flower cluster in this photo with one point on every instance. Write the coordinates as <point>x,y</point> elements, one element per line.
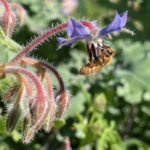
<point>32,94</point>
<point>32,97</point>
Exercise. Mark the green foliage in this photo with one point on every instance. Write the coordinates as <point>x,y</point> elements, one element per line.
<point>133,72</point>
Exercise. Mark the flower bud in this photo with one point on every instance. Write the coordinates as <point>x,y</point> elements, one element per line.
<point>8,19</point>
<point>28,132</point>
<point>62,101</point>
<point>19,11</point>
<point>16,111</point>
<point>39,110</point>
<point>13,117</point>
<point>50,117</point>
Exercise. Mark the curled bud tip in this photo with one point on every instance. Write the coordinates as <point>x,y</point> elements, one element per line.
<point>8,19</point>
<point>19,11</point>
<point>62,101</point>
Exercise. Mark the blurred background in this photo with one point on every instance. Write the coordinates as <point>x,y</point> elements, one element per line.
<point>109,110</point>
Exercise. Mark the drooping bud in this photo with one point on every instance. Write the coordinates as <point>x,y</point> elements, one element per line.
<point>8,19</point>
<point>50,117</point>
<point>34,120</point>
<point>19,11</point>
<point>16,111</point>
<point>39,110</point>
<point>13,117</point>
<point>51,114</point>
<point>28,132</point>
<point>62,101</point>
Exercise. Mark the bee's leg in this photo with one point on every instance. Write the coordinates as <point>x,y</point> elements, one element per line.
<point>90,56</point>
<point>94,52</point>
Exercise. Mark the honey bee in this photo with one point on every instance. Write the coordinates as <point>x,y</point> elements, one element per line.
<point>100,60</point>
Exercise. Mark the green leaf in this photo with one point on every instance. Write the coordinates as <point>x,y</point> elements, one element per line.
<point>76,105</point>
<point>133,74</point>
<point>58,122</point>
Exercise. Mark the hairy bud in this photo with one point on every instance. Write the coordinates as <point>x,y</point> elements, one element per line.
<point>62,101</point>
<point>13,118</point>
<point>28,132</point>
<point>19,11</point>
<point>50,117</point>
<point>16,111</point>
<point>39,111</point>
<point>8,19</point>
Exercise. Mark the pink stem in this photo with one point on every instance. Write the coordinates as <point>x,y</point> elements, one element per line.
<point>28,86</point>
<point>6,18</point>
<point>32,61</point>
<point>61,83</point>
<point>49,85</point>
<point>43,37</point>
<point>18,6</point>
<point>10,69</point>
<point>6,5</point>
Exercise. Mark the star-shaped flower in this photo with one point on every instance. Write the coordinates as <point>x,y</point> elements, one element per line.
<point>77,31</point>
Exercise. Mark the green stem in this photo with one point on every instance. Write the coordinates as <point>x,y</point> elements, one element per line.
<point>9,43</point>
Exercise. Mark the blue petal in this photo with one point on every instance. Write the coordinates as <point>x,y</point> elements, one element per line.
<point>63,41</point>
<point>76,29</point>
<point>115,25</point>
<point>69,27</point>
<point>123,16</point>
<point>60,39</point>
<point>67,41</point>
<point>70,41</point>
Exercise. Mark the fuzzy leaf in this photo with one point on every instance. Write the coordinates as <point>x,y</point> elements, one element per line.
<point>133,73</point>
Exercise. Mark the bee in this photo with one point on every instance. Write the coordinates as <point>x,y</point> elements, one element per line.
<point>100,60</point>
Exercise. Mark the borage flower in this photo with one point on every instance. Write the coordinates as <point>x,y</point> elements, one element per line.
<point>77,31</point>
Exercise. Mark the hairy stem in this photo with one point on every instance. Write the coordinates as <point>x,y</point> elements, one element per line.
<point>8,42</point>
<point>35,62</point>
<point>6,5</point>
<point>10,69</point>
<point>8,19</point>
<point>43,37</point>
